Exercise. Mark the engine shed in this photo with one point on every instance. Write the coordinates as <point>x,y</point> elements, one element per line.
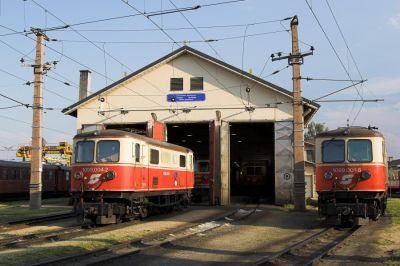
<point>239,123</point>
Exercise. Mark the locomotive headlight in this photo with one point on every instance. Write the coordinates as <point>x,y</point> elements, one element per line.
<point>110,175</point>
<point>328,175</point>
<point>365,175</point>
<point>78,175</point>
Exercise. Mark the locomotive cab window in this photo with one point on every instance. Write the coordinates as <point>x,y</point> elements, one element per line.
<point>84,152</point>
<point>333,151</point>
<point>359,150</point>
<point>107,151</point>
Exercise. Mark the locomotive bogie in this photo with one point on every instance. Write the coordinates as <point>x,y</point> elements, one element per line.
<point>351,207</point>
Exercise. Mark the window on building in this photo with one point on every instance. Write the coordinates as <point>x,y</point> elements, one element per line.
<point>310,156</point>
<point>196,84</point>
<point>182,160</point>
<point>176,84</point>
<point>333,151</point>
<point>154,156</point>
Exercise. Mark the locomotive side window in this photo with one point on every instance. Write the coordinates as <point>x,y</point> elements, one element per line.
<point>3,173</point>
<point>137,152</point>
<point>333,151</point>
<point>84,152</point>
<point>359,150</point>
<point>154,156</point>
<point>107,151</point>
<point>182,160</point>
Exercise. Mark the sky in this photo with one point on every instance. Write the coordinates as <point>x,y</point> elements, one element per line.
<point>245,34</point>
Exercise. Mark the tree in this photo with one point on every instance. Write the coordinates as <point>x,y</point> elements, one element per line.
<point>314,129</point>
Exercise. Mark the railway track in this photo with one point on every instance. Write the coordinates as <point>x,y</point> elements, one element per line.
<point>59,235</point>
<point>127,248</point>
<point>24,223</point>
<point>310,250</point>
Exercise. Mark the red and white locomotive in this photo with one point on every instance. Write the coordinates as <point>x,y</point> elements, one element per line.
<point>352,176</point>
<point>118,175</point>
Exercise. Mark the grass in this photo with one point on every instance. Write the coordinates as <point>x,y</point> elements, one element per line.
<point>311,205</point>
<point>393,207</point>
<point>64,248</point>
<point>20,209</point>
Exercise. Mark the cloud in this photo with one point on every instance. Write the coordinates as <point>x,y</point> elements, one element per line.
<point>394,21</point>
<point>377,87</point>
<point>384,85</point>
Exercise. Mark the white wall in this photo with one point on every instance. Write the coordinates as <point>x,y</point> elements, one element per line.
<point>221,87</point>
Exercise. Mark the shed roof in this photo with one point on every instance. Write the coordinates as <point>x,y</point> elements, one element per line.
<point>72,109</point>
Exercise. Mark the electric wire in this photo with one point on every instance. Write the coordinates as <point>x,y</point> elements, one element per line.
<point>329,79</point>
<point>276,71</point>
<point>264,66</point>
<point>16,101</point>
<point>182,28</point>
<point>155,24</point>
<point>243,50</point>
<point>349,51</point>
<point>99,48</point>
<point>169,42</point>
<point>26,55</point>
<point>336,53</point>
<point>339,90</point>
<point>344,39</point>
<point>198,31</point>
<point>162,12</point>
<point>28,123</point>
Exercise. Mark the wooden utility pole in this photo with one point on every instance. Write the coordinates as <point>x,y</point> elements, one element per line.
<point>35,187</point>
<point>295,59</point>
<point>298,123</point>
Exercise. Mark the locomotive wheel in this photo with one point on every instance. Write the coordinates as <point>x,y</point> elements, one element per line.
<point>143,212</point>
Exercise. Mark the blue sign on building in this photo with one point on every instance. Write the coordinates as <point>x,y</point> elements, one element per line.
<point>186,97</point>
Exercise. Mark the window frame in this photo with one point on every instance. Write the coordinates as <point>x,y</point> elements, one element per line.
<point>359,140</point>
<point>172,84</point>
<point>137,153</point>
<point>197,79</point>
<point>108,140</point>
<point>93,154</point>
<point>151,156</point>
<point>180,161</point>
<point>333,140</point>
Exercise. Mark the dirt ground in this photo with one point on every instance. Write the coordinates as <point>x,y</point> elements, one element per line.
<point>375,244</point>
<point>269,229</point>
